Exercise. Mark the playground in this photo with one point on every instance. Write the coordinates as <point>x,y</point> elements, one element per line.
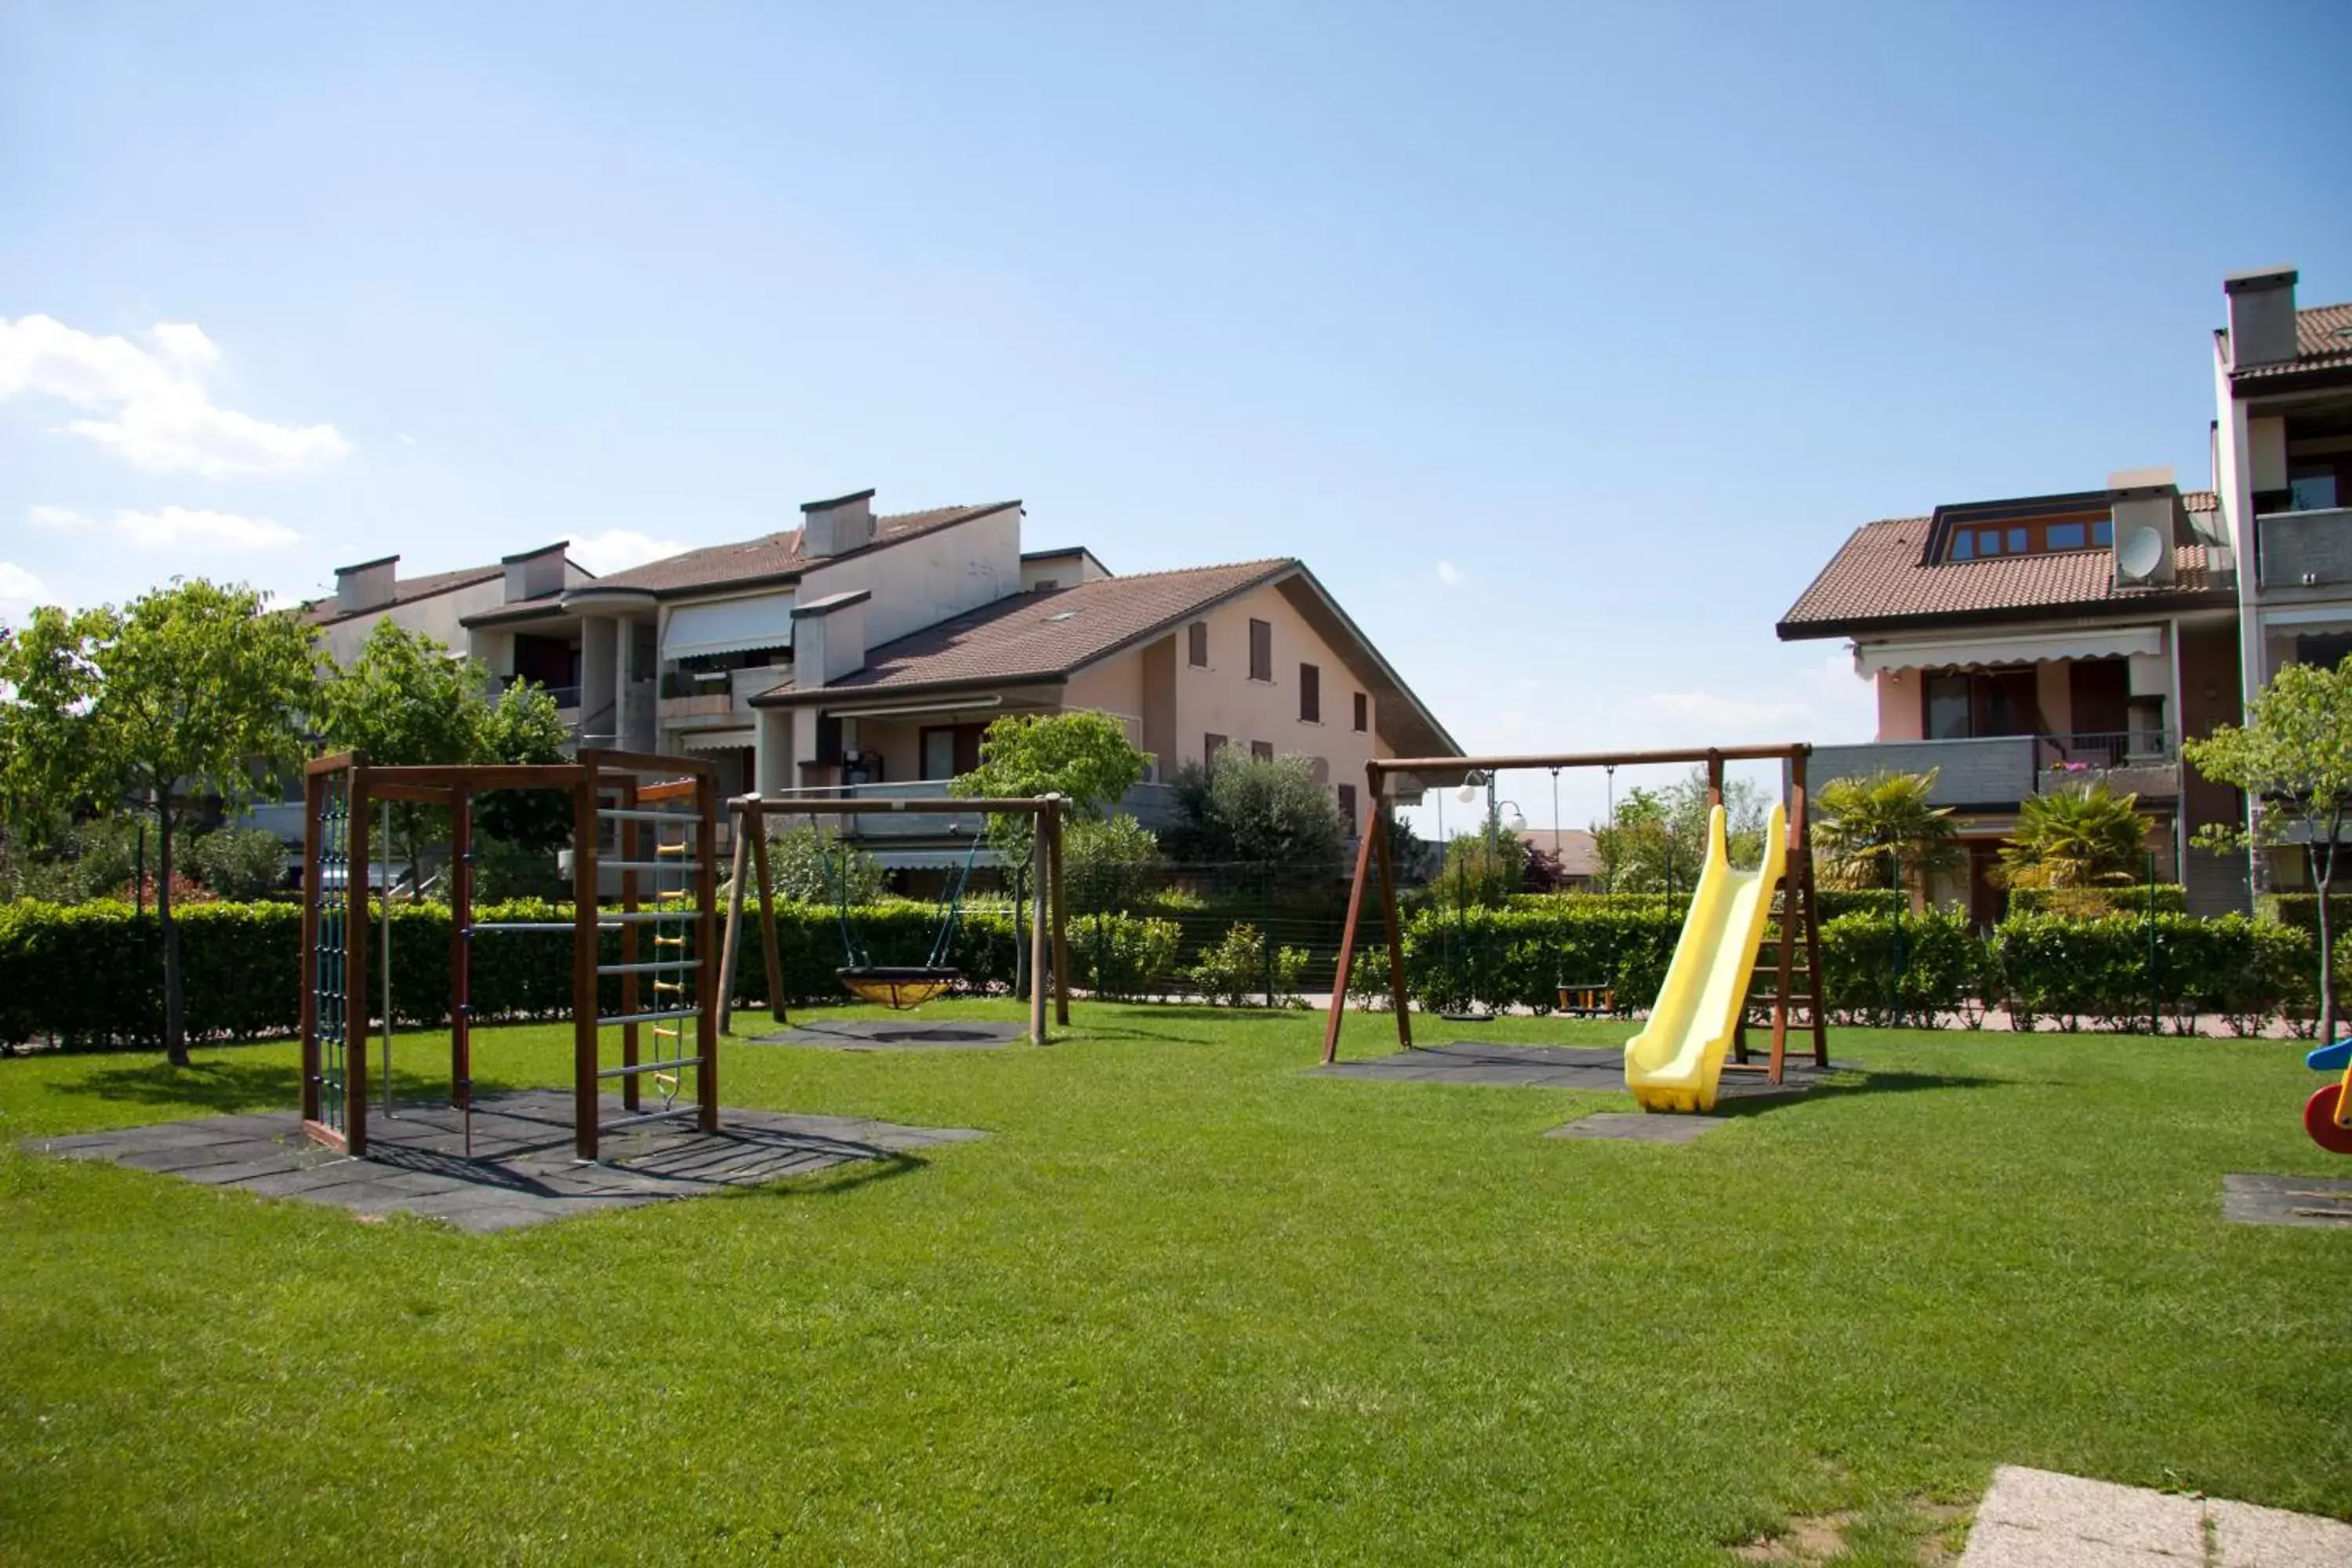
<point>1187,1299</point>
<point>1053,1278</point>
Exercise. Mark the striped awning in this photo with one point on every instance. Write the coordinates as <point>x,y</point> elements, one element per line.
<point>1969,652</point>
<point>718,740</point>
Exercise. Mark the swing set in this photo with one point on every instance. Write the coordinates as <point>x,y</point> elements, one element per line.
<point>1795,965</point>
<point>900,986</point>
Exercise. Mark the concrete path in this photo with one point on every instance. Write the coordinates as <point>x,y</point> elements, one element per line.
<point>2037,1519</point>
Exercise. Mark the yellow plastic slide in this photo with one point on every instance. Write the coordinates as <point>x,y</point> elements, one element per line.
<point>1675,1062</point>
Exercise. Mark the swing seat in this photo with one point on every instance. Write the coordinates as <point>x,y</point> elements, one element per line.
<point>898,989</point>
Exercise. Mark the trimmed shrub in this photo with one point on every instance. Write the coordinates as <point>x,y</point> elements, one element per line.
<point>1927,965</point>
<point>2088,903</point>
<point>1239,973</point>
<point>1121,957</point>
<point>2123,972</point>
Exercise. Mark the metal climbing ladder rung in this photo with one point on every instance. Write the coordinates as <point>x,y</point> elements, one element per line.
<point>669,981</point>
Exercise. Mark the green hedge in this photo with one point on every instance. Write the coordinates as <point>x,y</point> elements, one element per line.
<point>2114,972</point>
<point>1877,969</point>
<point>92,974</point>
<point>2164,897</point>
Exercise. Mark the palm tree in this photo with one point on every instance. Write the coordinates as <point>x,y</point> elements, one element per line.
<point>1868,831</point>
<point>2081,836</point>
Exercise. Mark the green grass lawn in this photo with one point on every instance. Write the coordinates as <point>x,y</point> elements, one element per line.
<point>1187,1303</point>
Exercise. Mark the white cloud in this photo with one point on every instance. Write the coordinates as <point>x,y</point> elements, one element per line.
<point>404,438</point>
<point>151,404</point>
<point>20,592</point>
<point>176,526</point>
<point>1449,574</point>
<point>619,549</point>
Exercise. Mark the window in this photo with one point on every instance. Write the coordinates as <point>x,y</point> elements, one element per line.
<point>1262,651</point>
<point>1310,695</point>
<point>1211,744</point>
<point>2311,487</point>
<point>1975,541</point>
<point>1262,750</point>
<point>949,750</point>
<point>1948,707</point>
<point>1196,644</point>
<point>1363,712</point>
<point>1347,805</point>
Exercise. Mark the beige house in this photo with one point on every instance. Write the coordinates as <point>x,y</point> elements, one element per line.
<point>864,649</point>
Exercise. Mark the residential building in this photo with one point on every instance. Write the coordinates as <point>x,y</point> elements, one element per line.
<point>1577,850</point>
<point>867,650</point>
<point>2283,466</point>
<point>2022,645</point>
<point>438,604</point>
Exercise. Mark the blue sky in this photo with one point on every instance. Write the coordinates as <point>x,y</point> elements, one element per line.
<point>1565,346</point>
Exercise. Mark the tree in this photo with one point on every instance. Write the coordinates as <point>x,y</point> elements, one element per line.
<point>238,862</point>
<point>1480,871</point>
<point>2082,836</point>
<point>1657,841</point>
<point>2294,760</point>
<point>407,700</point>
<point>1109,864</point>
<point>1084,757</point>
<point>1267,811</point>
<point>811,864</point>
<point>1870,830</point>
<point>188,693</point>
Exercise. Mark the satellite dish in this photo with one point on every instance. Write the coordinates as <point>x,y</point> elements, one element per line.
<point>2140,555</point>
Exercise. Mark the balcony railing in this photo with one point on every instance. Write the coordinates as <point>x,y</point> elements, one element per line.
<point>1998,771</point>
<point>1152,805</point>
<point>2304,549</point>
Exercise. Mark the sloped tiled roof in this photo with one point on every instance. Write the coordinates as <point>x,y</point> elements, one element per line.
<point>2323,341</point>
<point>1578,851</point>
<point>405,591</point>
<point>1044,636</point>
<point>1881,577</point>
<point>771,556</point>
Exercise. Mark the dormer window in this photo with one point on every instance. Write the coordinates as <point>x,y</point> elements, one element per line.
<point>2033,536</point>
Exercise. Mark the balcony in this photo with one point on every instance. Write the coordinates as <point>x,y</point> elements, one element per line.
<point>721,692</point>
<point>1995,773</point>
<point>1152,805</point>
<point>2305,549</point>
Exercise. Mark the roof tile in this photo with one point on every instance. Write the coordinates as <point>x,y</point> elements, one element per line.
<point>1878,576</point>
<point>770,555</point>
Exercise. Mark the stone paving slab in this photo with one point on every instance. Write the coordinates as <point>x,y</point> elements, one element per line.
<point>1595,1067</point>
<point>1640,1127</point>
<point>901,1034</point>
<point>2039,1519</point>
<point>2313,1201</point>
<point>521,1171</point>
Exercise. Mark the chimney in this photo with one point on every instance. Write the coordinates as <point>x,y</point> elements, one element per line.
<point>2147,519</point>
<point>838,526</point>
<point>535,573</point>
<point>370,586</point>
<point>2261,316</point>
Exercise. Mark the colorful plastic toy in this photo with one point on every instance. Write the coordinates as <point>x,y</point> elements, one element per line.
<point>2325,1113</point>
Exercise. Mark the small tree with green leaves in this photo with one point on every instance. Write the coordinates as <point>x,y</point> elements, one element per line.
<point>1084,757</point>
<point>187,694</point>
<point>407,700</point>
<point>239,863</point>
<point>811,864</point>
<point>2080,836</point>
<point>2293,758</point>
<point>1875,830</point>
<point>1264,811</point>
<point>1656,842</point>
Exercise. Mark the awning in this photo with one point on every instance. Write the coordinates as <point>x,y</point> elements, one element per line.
<point>731,625</point>
<point>2117,642</point>
<point>718,740</point>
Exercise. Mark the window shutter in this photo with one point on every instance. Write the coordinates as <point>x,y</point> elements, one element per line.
<point>1310,694</point>
<point>1261,652</point>
<point>1196,637</point>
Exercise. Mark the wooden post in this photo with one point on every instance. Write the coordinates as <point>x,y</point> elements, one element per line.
<point>1372,825</point>
<point>1389,914</point>
<point>1061,937</point>
<point>770,950</point>
<point>313,795</point>
<point>706,951</point>
<point>630,843</point>
<point>461,948</point>
<point>1801,844</point>
<point>1714,779</point>
<point>585,1000</point>
<point>1040,937</point>
<point>356,1017</point>
<point>730,951</point>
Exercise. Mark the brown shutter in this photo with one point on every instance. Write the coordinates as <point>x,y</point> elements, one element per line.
<point>1261,634</point>
<point>1310,694</point>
